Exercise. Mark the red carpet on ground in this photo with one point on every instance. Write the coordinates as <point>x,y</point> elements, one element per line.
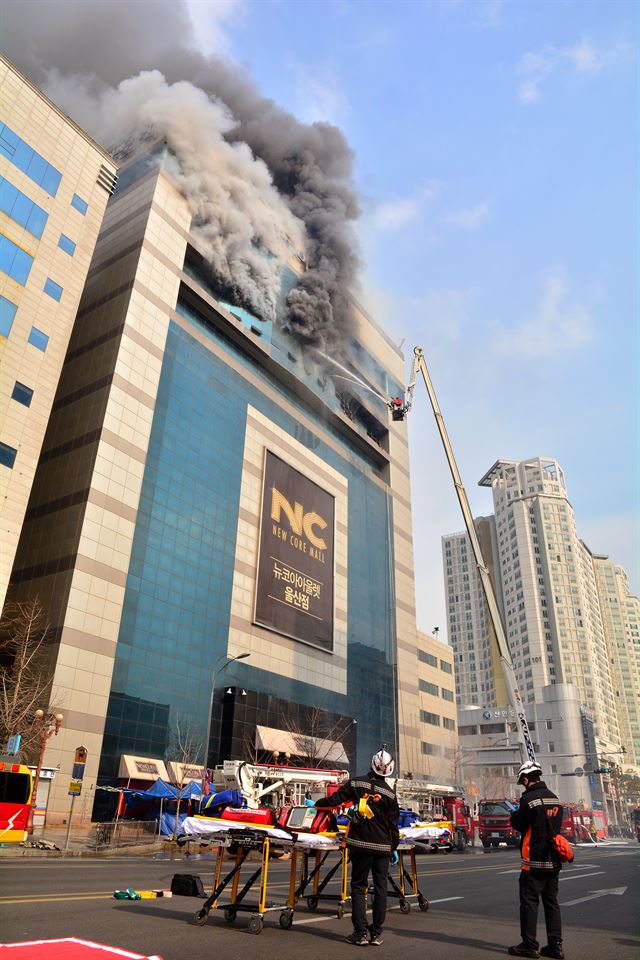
<point>68,949</point>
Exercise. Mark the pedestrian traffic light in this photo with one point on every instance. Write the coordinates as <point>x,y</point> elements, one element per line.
<point>602,770</point>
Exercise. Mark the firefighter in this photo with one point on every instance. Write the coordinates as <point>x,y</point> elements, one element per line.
<point>538,818</point>
<point>372,838</point>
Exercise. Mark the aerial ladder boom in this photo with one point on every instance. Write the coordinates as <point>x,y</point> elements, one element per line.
<point>398,411</point>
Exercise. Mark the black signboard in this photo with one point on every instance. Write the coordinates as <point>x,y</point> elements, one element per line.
<point>294,592</point>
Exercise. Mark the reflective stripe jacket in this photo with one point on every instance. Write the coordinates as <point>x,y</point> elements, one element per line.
<point>378,834</point>
<point>538,818</point>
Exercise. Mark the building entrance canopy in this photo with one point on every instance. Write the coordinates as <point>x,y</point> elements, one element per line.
<point>141,768</point>
<point>300,745</point>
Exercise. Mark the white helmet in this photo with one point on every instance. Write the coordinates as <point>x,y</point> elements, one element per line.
<point>528,768</point>
<point>382,763</point>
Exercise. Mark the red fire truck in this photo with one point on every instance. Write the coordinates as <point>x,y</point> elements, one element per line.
<point>16,784</point>
<point>441,804</point>
<point>583,826</point>
<point>494,824</point>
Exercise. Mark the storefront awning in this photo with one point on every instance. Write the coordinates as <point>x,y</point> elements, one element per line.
<point>300,745</point>
<point>141,768</point>
<point>182,773</point>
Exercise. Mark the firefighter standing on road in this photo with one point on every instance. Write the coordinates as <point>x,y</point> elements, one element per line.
<point>538,818</point>
<point>372,839</point>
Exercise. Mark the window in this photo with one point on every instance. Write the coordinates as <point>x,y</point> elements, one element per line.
<point>14,261</point>
<point>432,718</point>
<point>427,687</point>
<point>445,666</point>
<point>53,289</point>
<point>552,747</point>
<point>7,455</point>
<point>38,339</point>
<point>549,724</point>
<point>67,245</point>
<point>448,724</point>
<point>431,749</point>
<point>20,208</point>
<point>79,204</point>
<point>492,728</point>
<point>15,788</point>
<point>447,694</point>
<point>469,730</point>
<point>25,158</point>
<point>425,657</point>
<point>22,394</point>
<point>7,313</point>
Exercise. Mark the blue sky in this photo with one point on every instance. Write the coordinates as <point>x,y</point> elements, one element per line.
<point>496,155</point>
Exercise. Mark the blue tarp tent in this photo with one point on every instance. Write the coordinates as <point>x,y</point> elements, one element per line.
<point>192,791</point>
<point>159,791</point>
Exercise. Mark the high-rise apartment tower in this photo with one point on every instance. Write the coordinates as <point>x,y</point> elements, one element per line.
<point>546,584</point>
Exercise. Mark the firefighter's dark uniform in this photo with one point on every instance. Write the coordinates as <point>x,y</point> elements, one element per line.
<point>370,843</point>
<point>538,818</point>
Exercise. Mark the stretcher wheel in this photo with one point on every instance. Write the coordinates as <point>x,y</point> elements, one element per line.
<point>340,911</point>
<point>255,925</point>
<point>312,903</point>
<point>230,915</point>
<point>405,906</point>
<point>201,917</point>
<point>423,904</point>
<point>286,919</point>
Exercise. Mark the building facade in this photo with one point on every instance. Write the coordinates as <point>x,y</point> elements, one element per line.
<point>477,675</point>
<point>546,584</point>
<point>438,723</point>
<point>212,492</point>
<point>55,182</point>
<point>562,732</point>
<point>620,612</point>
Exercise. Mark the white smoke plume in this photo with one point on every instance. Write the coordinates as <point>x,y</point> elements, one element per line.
<point>243,226</point>
<point>82,52</point>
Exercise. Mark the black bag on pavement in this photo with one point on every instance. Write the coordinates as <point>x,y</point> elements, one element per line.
<point>187,885</point>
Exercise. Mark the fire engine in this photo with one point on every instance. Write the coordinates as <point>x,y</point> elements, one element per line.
<point>494,826</point>
<point>583,826</point>
<point>277,785</point>
<point>441,804</point>
<point>16,786</point>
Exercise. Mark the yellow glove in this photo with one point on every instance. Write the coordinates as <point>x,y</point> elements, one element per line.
<point>364,809</point>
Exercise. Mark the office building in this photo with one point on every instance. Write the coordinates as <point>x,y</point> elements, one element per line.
<point>207,491</point>
<point>438,734</point>
<point>55,182</point>
<point>562,733</point>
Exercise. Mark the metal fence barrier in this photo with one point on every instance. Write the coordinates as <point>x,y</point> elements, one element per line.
<point>123,833</point>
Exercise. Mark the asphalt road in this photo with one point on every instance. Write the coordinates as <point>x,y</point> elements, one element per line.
<point>473,913</point>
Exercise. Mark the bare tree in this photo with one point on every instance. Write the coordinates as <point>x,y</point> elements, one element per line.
<point>186,750</point>
<point>25,673</point>
<point>319,742</point>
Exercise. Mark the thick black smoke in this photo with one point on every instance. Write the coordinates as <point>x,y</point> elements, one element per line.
<point>101,43</point>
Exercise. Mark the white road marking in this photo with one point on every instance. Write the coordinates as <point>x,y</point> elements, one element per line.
<point>445,899</point>
<point>579,876</point>
<point>595,894</point>
<point>348,914</point>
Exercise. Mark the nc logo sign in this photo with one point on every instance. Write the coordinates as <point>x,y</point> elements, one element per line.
<point>299,521</point>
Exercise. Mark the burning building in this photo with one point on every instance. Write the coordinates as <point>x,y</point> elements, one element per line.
<point>220,522</point>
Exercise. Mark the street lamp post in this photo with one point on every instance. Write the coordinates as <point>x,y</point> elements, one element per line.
<point>47,725</point>
<point>215,672</point>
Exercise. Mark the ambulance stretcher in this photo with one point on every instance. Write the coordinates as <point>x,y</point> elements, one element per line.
<point>244,837</point>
